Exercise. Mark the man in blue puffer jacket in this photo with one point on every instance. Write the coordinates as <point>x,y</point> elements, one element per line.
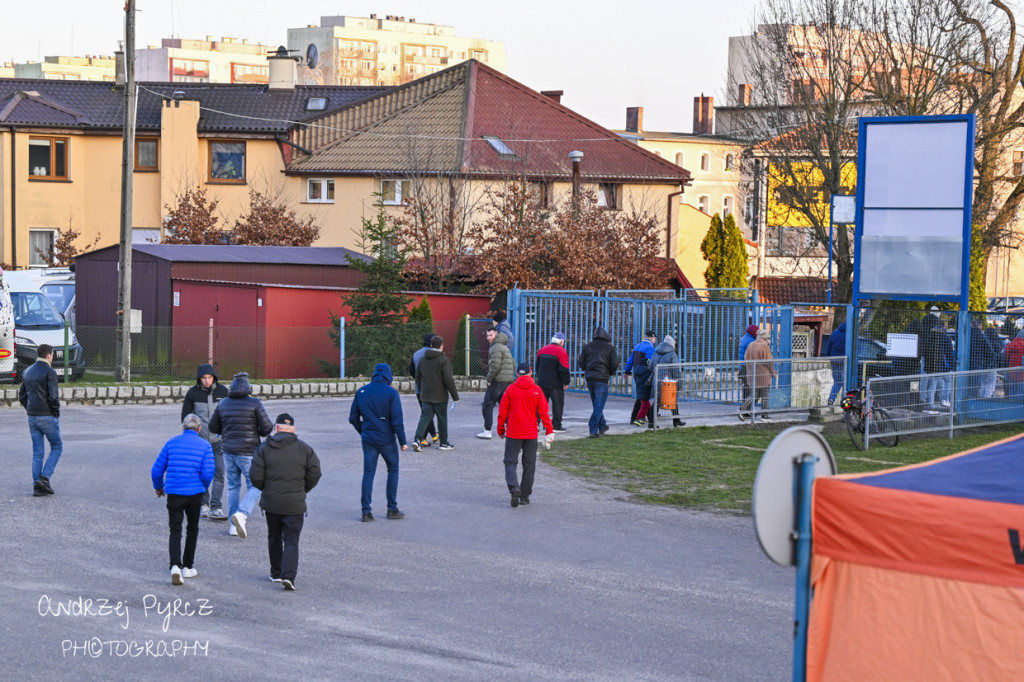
<point>241,421</point>
<point>187,460</point>
<point>377,415</point>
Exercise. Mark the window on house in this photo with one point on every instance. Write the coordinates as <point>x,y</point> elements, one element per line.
<point>704,202</point>
<point>726,206</point>
<point>730,162</point>
<point>748,210</point>
<point>40,247</point>
<point>504,151</point>
<point>1018,163</point>
<point>227,162</point>
<point>680,159</point>
<point>391,192</point>
<point>320,190</point>
<point>541,194</point>
<point>608,195</point>
<point>48,158</point>
<point>316,104</point>
<point>705,162</point>
<point>147,151</point>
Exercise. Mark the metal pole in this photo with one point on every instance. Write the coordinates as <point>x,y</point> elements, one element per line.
<point>468,336</point>
<point>805,463</point>
<point>66,343</point>
<point>830,226</point>
<point>209,344</point>
<point>123,355</point>
<point>341,346</point>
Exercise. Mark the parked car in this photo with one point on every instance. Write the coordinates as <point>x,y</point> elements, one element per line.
<point>7,373</point>
<point>61,293</point>
<point>36,321</point>
<point>1002,304</point>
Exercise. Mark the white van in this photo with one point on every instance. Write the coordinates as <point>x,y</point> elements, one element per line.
<point>36,321</point>
<point>7,373</point>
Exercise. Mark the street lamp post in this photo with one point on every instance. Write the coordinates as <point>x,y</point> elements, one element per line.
<point>576,157</point>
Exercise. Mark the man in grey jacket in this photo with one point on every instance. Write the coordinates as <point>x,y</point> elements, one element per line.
<point>501,372</point>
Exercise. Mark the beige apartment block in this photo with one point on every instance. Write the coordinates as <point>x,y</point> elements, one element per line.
<point>180,60</point>
<point>93,68</point>
<point>385,51</point>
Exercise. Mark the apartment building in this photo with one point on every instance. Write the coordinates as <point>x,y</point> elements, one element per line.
<point>386,51</point>
<point>181,60</point>
<point>92,68</point>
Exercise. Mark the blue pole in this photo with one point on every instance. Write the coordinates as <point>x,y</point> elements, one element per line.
<point>341,346</point>
<point>830,226</point>
<point>803,565</point>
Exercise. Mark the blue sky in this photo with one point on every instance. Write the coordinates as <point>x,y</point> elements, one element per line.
<point>603,56</point>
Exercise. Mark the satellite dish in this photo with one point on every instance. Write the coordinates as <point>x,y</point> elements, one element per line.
<point>312,56</point>
<point>775,489</point>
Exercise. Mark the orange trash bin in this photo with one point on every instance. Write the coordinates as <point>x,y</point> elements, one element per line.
<point>668,393</point>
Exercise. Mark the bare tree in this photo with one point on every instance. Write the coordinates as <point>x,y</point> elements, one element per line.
<point>65,249</point>
<point>192,219</point>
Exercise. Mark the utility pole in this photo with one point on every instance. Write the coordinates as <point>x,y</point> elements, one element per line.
<point>123,356</point>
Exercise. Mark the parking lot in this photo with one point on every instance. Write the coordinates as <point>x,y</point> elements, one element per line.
<point>581,585</point>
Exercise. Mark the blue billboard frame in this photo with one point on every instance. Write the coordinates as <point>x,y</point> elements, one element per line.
<point>968,204</point>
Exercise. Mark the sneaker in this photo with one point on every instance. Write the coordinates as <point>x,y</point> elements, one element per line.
<point>288,585</point>
<point>515,497</point>
<point>524,499</point>
<point>231,530</point>
<point>637,422</point>
<point>603,430</point>
<point>426,442</point>
<point>189,573</point>
<point>218,515</point>
<point>238,518</point>
<point>45,483</point>
<point>434,438</point>
<point>766,417</point>
<point>395,514</point>
<point>446,446</point>
<point>416,446</point>
<point>274,580</point>
<point>486,435</point>
<point>176,576</point>
<point>204,511</point>
<point>367,517</point>
<point>743,417</point>
<point>559,430</point>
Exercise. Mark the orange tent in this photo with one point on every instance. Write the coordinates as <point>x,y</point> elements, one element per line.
<point>918,572</point>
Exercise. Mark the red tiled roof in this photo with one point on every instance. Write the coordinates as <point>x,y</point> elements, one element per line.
<point>786,290</point>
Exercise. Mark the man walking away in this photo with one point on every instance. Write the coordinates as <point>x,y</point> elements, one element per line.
<point>745,341</point>
<point>665,354</point>
<point>242,421</point>
<point>760,372</point>
<point>187,461</point>
<point>837,349</point>
<point>434,375</point>
<point>599,362</point>
<point>553,376</point>
<point>501,371</point>
<point>502,326</point>
<point>376,415</point>
<point>201,400</point>
<point>285,469</point>
<point>413,364</point>
<point>40,397</point>
<point>639,365</point>
<point>522,406</point>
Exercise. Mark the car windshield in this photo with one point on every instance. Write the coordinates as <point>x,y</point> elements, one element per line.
<point>60,294</point>
<point>32,310</point>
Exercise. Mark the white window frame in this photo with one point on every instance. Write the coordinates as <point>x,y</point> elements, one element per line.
<point>609,195</point>
<point>681,159</point>
<point>326,190</point>
<point>729,164</point>
<point>704,203</point>
<point>728,206</point>
<point>34,259</point>
<point>399,188</point>
<point>705,162</point>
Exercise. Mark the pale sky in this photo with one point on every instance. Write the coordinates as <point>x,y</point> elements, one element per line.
<point>603,55</point>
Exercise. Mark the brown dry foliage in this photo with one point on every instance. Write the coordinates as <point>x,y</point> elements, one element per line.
<point>269,222</point>
<point>193,220</point>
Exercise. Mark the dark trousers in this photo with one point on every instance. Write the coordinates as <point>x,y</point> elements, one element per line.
<point>557,398</point>
<point>215,496</point>
<point>431,431</point>
<point>283,542</point>
<point>390,455</point>
<point>427,414</point>
<point>492,397</point>
<point>513,446</point>
<point>187,506</point>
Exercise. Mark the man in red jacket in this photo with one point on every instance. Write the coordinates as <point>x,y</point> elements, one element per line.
<point>521,407</point>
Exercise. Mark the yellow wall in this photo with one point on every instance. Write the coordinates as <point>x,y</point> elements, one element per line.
<point>784,211</point>
<point>693,227</point>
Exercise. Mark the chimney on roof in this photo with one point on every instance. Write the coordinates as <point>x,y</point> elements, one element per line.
<point>553,94</point>
<point>634,119</point>
<point>119,68</point>
<point>703,115</point>
<point>746,89</point>
<point>283,69</point>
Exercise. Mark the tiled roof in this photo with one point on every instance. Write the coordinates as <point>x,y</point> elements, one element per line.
<point>439,123</point>
<point>215,253</point>
<point>786,290</point>
<point>227,108</point>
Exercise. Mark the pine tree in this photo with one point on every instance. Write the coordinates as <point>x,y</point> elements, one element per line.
<point>379,299</point>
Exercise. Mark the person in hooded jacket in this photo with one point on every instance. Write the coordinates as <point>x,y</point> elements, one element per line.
<point>431,434</point>
<point>665,354</point>
<point>501,372</point>
<point>599,362</point>
<point>502,326</point>
<point>285,469</point>
<point>201,400</point>
<point>837,349</point>
<point>522,406</point>
<point>434,375</point>
<point>241,421</point>
<point>376,415</point>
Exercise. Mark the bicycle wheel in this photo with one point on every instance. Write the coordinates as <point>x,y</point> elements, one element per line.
<point>884,428</point>
<point>855,427</point>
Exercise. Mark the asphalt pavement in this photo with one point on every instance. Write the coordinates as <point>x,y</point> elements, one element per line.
<point>582,584</point>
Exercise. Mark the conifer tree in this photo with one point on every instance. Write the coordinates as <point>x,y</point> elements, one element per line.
<point>379,300</point>
<point>733,274</point>
<point>712,247</point>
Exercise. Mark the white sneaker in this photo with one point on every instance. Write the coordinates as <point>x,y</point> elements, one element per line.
<point>176,576</point>
<point>231,529</point>
<point>238,518</point>
<point>484,434</point>
<point>189,573</point>
<point>204,511</point>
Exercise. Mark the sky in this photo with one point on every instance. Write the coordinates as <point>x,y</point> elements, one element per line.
<point>605,57</point>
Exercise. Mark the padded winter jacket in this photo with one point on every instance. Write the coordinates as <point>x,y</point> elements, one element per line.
<point>241,419</point>
<point>187,460</point>
<point>434,375</point>
<point>285,469</point>
<point>376,411</point>
<point>744,342</point>
<point>521,406</point>
<point>598,360</point>
<point>552,367</point>
<point>202,401</point>
<point>501,366</point>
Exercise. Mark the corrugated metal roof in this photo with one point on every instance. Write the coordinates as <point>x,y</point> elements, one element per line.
<point>290,255</point>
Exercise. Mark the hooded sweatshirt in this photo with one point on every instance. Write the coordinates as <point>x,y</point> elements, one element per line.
<point>598,359</point>
<point>376,411</point>
<point>202,401</point>
<point>665,354</point>
<point>241,419</point>
<point>285,469</point>
<point>837,342</point>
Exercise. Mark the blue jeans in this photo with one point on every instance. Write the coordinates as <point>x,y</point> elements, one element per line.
<point>49,428</point>
<point>598,397</point>
<point>238,466</point>
<point>837,384</point>
<point>390,455</point>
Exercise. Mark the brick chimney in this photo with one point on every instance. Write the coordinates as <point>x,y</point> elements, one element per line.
<point>553,94</point>
<point>634,119</point>
<point>703,115</point>
<point>745,90</point>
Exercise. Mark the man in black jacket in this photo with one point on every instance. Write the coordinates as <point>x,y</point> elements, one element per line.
<point>434,376</point>
<point>40,397</point>
<point>242,421</point>
<point>285,469</point>
<point>599,362</point>
<point>201,400</point>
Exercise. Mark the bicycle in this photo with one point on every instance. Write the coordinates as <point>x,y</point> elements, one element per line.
<point>857,409</point>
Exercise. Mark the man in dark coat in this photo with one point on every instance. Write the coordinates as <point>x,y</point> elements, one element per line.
<point>376,415</point>
<point>599,362</point>
<point>40,397</point>
<point>639,366</point>
<point>201,400</point>
<point>413,364</point>
<point>285,469</point>
<point>836,348</point>
<point>434,375</point>
<point>242,421</point>
<point>553,376</point>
